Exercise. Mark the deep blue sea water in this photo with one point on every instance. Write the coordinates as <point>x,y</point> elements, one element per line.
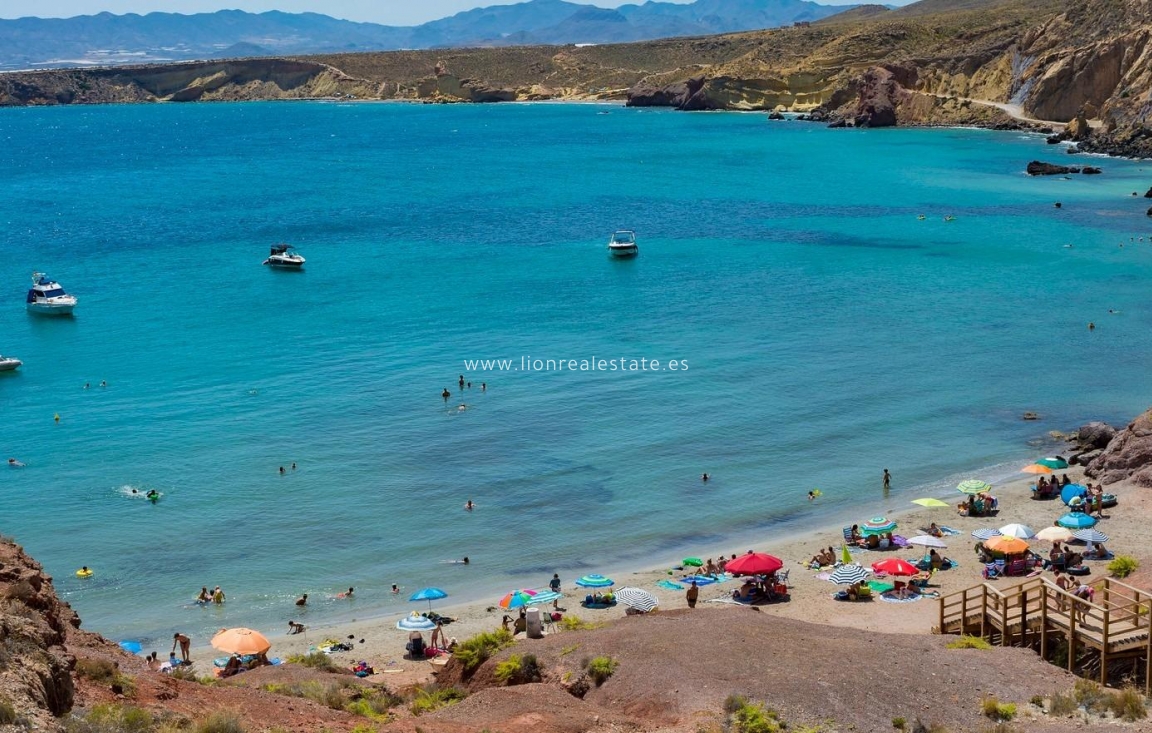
<point>828,333</point>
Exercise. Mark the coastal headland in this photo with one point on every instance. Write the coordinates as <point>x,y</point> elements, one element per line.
<point>817,664</point>
<point>1006,63</point>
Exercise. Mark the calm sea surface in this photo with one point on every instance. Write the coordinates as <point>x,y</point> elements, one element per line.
<point>828,333</point>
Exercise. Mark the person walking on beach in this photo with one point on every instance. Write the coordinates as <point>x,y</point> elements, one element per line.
<point>185,644</point>
<point>692,594</point>
<point>887,480</point>
<point>554,584</point>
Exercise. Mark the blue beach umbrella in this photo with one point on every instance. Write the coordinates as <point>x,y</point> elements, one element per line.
<point>595,581</point>
<point>1071,491</point>
<point>546,596</point>
<point>132,647</point>
<point>415,622</point>
<point>1076,520</point>
<point>428,594</point>
<point>1053,462</point>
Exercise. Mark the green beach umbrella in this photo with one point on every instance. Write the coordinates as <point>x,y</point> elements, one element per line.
<point>974,486</point>
<point>877,525</point>
<point>845,556</point>
<point>932,503</point>
<point>1051,462</point>
<point>693,562</point>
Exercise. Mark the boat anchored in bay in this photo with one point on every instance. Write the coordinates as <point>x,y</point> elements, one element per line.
<point>623,244</point>
<point>9,363</point>
<point>48,298</point>
<point>285,257</point>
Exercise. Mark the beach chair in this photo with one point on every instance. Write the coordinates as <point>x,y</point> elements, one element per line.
<point>991,571</point>
<point>848,536</point>
<point>1017,567</point>
<point>782,577</point>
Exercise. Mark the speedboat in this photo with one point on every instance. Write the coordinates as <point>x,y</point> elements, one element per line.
<point>47,297</point>
<point>284,256</point>
<point>623,244</point>
<point>9,363</point>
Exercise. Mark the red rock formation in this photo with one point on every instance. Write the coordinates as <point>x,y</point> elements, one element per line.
<point>1128,455</point>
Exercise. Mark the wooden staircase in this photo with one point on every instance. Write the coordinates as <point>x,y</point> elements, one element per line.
<point>1116,625</point>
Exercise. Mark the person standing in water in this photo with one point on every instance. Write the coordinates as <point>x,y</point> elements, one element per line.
<point>887,480</point>
<point>469,506</point>
<point>461,381</point>
<point>217,595</point>
<point>204,596</point>
<point>445,394</point>
<point>302,600</point>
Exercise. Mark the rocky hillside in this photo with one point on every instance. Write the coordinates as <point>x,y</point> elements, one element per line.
<point>933,62</point>
<point>1128,455</point>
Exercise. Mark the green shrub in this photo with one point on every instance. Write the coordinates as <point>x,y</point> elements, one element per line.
<point>996,710</point>
<point>969,642</point>
<point>431,698</point>
<point>109,718</point>
<point>517,670</point>
<point>575,623</point>
<point>1129,705</point>
<point>475,651</point>
<point>1061,705</point>
<point>97,670</point>
<point>7,713</point>
<point>751,717</point>
<point>732,703</point>
<point>601,668</point>
<point>315,660</point>
<point>899,723</point>
<point>1122,566</point>
<point>221,721</point>
<point>1091,695</point>
<point>568,650</point>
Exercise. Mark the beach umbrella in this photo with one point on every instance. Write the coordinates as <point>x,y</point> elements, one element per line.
<point>1021,531</point>
<point>415,622</point>
<point>895,566</point>
<point>927,540</point>
<point>637,598</point>
<point>1052,462</point>
<point>693,562</point>
<point>241,641</point>
<point>518,599</point>
<point>1007,545</point>
<point>845,556</point>
<point>848,574</point>
<point>132,647</point>
<point>985,534</point>
<point>1036,468</point>
<point>1084,535</point>
<point>1072,491</point>
<point>428,594</point>
<point>546,596</point>
<point>754,563</point>
<point>932,503</point>
<point>1054,534</point>
<point>594,581</point>
<point>1076,520</point>
<point>877,525</point>
<point>973,486</point>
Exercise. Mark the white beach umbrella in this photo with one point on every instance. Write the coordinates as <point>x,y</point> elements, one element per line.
<point>415,622</point>
<point>1020,531</point>
<point>1090,535</point>
<point>1054,534</point>
<point>848,574</point>
<point>985,534</point>
<point>927,540</point>
<point>636,598</point>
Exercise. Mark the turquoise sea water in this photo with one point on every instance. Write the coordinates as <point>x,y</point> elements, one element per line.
<point>828,333</point>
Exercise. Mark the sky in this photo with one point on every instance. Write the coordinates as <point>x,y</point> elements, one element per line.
<point>389,12</point>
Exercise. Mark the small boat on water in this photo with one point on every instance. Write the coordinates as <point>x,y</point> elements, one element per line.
<point>285,257</point>
<point>48,298</point>
<point>9,363</point>
<point>623,244</point>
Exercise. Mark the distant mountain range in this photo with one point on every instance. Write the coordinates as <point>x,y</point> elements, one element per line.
<point>107,39</point>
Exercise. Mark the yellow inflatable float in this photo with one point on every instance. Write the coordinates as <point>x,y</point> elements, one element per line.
<point>84,572</point>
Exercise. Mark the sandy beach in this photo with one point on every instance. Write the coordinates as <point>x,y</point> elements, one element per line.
<point>378,642</point>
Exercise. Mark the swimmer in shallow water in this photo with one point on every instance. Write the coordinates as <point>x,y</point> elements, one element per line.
<point>445,394</point>
<point>20,464</point>
<point>152,495</point>
<point>395,588</point>
<point>469,506</point>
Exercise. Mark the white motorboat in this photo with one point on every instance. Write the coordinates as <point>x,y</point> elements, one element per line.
<point>284,256</point>
<point>623,244</point>
<point>9,363</point>
<point>48,298</point>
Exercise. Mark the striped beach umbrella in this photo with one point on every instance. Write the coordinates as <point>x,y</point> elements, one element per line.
<point>415,622</point>
<point>1076,520</point>
<point>1052,462</point>
<point>1090,535</point>
<point>973,486</point>
<point>595,581</point>
<point>1021,531</point>
<point>848,574</point>
<point>985,533</point>
<point>637,598</point>
<point>517,599</point>
<point>877,525</point>
<point>546,596</point>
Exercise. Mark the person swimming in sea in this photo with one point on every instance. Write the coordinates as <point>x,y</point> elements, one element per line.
<point>445,394</point>
<point>469,506</point>
<point>281,470</point>
<point>13,463</point>
<point>205,596</point>
<point>152,495</point>
<point>346,595</point>
<point>395,589</point>
<point>704,477</point>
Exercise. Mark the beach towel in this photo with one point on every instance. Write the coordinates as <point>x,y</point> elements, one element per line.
<point>700,579</point>
<point>1109,556</point>
<point>900,541</point>
<point>890,597</point>
<point>879,586</point>
<point>669,585</point>
<point>949,531</point>
<point>823,576</point>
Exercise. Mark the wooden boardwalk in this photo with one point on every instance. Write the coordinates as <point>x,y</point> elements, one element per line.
<point>1115,625</point>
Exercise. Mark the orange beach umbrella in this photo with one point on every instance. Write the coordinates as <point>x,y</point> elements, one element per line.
<point>1007,545</point>
<point>241,641</point>
<point>1036,468</point>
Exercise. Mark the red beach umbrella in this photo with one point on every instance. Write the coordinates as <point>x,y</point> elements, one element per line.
<point>754,563</point>
<point>895,566</point>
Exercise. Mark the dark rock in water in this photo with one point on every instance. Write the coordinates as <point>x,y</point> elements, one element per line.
<point>1038,168</point>
<point>684,95</point>
<point>775,116</point>
<point>1031,416</point>
<point>819,115</point>
<point>1090,171</point>
<point>1083,459</point>
<point>804,118</point>
<point>879,93</point>
<point>1095,434</point>
<point>1149,194</point>
<point>844,123</point>
<point>1149,212</point>
<point>1058,205</point>
<point>1053,139</point>
<point>1072,150</point>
